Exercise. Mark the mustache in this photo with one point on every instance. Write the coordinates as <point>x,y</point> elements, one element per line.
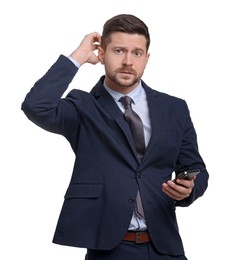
<point>126,69</point>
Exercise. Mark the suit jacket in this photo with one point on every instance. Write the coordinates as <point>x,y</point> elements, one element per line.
<point>100,198</point>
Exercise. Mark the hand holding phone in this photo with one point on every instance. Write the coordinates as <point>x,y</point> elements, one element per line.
<point>187,175</point>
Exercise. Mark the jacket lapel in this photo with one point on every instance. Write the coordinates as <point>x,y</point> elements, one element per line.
<point>155,116</point>
<point>107,102</point>
<point>109,105</point>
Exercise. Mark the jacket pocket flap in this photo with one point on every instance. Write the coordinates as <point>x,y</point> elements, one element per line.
<point>81,190</point>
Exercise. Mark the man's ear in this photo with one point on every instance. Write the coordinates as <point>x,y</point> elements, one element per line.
<point>101,55</point>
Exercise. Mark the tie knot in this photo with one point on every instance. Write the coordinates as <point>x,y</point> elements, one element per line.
<point>126,101</point>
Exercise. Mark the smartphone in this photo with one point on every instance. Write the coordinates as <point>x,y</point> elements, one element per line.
<point>187,175</point>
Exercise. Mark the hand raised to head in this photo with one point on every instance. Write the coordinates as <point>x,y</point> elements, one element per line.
<point>85,51</point>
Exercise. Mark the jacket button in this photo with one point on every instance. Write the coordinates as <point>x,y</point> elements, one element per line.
<point>139,175</point>
<point>131,200</point>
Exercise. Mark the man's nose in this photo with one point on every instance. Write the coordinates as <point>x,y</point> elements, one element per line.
<point>127,59</point>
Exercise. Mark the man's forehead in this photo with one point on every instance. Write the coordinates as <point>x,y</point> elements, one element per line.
<point>121,39</point>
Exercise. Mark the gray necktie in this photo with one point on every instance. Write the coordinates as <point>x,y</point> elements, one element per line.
<point>136,127</point>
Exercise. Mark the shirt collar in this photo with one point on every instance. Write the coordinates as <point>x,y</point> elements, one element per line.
<point>134,94</point>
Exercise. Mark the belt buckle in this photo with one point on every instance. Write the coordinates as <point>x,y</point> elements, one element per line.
<point>138,237</point>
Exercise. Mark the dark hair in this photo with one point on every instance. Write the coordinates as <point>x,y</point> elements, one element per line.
<point>126,23</point>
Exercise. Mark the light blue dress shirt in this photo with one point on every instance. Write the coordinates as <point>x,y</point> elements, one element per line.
<point>140,106</point>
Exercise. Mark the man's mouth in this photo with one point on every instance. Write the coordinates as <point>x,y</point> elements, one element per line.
<point>126,72</point>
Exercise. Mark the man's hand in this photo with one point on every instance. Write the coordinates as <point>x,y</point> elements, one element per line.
<point>85,52</point>
<point>179,190</point>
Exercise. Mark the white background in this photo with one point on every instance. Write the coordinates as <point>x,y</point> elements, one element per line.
<point>191,57</point>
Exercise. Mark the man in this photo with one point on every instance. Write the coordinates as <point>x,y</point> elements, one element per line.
<point>121,201</point>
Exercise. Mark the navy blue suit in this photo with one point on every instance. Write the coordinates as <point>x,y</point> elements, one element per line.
<point>106,176</point>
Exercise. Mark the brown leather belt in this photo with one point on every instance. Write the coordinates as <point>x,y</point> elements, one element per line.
<point>140,237</point>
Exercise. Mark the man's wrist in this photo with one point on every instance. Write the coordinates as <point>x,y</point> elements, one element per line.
<point>75,62</point>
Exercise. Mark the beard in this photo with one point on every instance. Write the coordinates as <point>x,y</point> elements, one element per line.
<point>124,77</point>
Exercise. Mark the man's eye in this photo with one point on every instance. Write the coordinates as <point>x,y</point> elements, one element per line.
<point>138,53</point>
<point>118,51</point>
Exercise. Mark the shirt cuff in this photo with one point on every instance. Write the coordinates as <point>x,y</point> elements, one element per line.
<point>76,63</point>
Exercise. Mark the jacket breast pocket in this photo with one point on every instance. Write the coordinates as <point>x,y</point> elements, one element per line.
<point>83,190</point>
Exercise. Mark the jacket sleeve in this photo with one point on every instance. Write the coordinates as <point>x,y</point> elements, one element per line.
<point>189,155</point>
<point>44,105</point>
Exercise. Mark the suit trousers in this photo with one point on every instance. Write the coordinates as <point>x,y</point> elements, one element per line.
<point>130,251</point>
